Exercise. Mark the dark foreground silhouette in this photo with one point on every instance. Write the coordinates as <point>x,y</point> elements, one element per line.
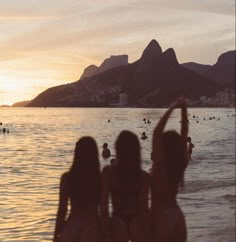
<point>92,218</point>
<point>169,163</point>
<point>81,187</point>
<point>127,185</point>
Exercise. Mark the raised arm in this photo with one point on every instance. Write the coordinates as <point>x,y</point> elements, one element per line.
<point>184,120</point>
<point>180,103</point>
<point>161,125</point>
<point>62,208</point>
<point>184,126</point>
<point>157,135</point>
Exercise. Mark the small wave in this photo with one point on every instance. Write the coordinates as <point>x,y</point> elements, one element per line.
<point>197,186</point>
<point>230,197</point>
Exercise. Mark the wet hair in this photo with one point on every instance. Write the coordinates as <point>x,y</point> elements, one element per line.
<point>128,160</point>
<point>84,174</point>
<point>174,157</point>
<point>105,145</point>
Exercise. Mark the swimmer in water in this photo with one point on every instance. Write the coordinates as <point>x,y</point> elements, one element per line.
<point>190,147</point>
<point>144,136</point>
<point>106,153</point>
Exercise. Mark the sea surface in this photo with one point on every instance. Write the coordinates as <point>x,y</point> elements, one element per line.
<point>40,145</point>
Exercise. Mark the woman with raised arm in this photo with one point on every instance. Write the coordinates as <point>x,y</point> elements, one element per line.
<point>169,154</point>
<point>80,187</point>
<point>128,186</point>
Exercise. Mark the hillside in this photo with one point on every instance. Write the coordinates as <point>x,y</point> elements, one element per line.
<point>20,104</point>
<point>222,72</point>
<point>156,79</point>
<point>109,63</point>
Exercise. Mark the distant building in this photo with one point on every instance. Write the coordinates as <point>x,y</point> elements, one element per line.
<point>123,99</point>
<point>203,100</point>
<point>192,102</point>
<point>222,98</point>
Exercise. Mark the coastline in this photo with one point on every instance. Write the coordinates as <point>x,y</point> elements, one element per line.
<point>116,107</point>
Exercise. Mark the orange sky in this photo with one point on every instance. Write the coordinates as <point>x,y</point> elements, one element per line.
<point>48,43</point>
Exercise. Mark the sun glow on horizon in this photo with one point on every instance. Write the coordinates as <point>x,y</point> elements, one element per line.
<point>24,80</point>
<point>45,45</point>
<point>12,91</point>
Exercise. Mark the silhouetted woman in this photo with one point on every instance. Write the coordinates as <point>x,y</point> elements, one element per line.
<point>128,186</point>
<point>81,187</point>
<point>169,162</point>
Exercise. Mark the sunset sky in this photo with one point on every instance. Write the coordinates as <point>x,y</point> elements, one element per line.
<point>48,43</point>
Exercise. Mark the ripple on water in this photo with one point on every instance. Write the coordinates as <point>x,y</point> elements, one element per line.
<point>38,150</point>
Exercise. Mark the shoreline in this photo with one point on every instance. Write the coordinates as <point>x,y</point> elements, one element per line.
<point>116,107</point>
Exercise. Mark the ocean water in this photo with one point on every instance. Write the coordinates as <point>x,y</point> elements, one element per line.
<point>39,148</point>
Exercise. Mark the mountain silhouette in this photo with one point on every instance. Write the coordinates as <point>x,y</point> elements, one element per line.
<point>152,51</point>
<point>156,79</point>
<point>199,68</point>
<point>20,104</point>
<point>223,71</point>
<point>109,63</point>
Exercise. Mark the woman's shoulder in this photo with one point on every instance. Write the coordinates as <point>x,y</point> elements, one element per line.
<point>107,170</point>
<point>65,175</point>
<point>64,178</point>
<point>64,182</point>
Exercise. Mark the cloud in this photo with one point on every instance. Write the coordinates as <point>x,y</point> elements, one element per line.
<point>56,40</point>
<point>220,7</point>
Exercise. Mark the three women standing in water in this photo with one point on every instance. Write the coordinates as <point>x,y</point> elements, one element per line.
<point>127,186</point>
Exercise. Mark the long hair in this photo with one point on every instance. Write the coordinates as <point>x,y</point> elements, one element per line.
<point>84,174</point>
<point>174,160</point>
<point>128,160</point>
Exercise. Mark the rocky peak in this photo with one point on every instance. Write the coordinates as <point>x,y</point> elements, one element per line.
<point>228,57</point>
<point>89,71</point>
<point>169,57</point>
<point>113,61</point>
<point>109,63</point>
<point>152,51</point>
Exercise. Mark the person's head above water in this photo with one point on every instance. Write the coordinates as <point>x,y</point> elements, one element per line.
<point>189,139</point>
<point>105,145</point>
